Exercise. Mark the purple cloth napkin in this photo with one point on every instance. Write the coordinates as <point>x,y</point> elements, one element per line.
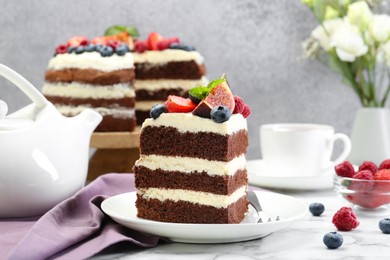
<point>74,229</point>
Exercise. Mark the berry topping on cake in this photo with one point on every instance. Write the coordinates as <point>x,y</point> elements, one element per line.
<point>333,240</point>
<point>106,51</point>
<point>214,101</point>
<point>78,40</point>
<point>122,49</point>
<point>384,165</point>
<point>345,219</point>
<point>367,165</point>
<point>90,47</point>
<point>156,42</point>
<point>316,209</point>
<point>384,225</point>
<point>220,114</point>
<point>157,110</point>
<point>178,46</point>
<point>219,94</point>
<point>345,169</point>
<point>140,46</point>
<point>61,49</point>
<point>99,40</point>
<point>71,49</point>
<point>80,49</point>
<point>176,104</point>
<point>241,107</point>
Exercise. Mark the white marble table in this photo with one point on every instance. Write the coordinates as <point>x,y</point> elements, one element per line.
<point>302,240</point>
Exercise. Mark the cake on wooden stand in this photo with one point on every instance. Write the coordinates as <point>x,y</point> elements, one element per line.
<point>115,152</point>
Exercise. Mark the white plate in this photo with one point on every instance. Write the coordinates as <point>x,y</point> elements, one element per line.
<point>258,176</point>
<point>122,209</point>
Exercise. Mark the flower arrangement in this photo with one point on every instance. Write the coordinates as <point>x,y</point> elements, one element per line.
<point>356,43</point>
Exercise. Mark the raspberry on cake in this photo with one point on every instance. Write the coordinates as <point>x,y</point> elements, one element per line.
<point>86,74</point>
<point>164,67</point>
<point>192,169</point>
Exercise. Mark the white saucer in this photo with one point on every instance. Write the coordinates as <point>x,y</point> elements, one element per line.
<point>258,176</point>
<point>122,209</point>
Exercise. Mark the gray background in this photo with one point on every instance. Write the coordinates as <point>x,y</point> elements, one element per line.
<point>256,43</point>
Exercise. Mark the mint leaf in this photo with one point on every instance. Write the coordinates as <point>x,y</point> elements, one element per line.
<point>113,30</point>
<point>200,92</point>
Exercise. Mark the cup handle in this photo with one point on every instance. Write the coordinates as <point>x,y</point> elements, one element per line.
<point>347,147</point>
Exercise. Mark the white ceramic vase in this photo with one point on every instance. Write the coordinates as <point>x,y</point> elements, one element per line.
<point>370,136</point>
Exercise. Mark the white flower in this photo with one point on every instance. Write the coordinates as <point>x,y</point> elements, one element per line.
<point>323,33</point>
<point>348,42</point>
<point>380,28</point>
<point>331,13</point>
<point>359,14</point>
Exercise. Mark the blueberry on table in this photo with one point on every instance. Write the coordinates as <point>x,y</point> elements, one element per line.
<point>157,110</point>
<point>220,114</point>
<point>333,240</point>
<point>384,225</point>
<point>316,209</point>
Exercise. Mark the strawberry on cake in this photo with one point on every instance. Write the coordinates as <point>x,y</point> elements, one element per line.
<point>192,166</point>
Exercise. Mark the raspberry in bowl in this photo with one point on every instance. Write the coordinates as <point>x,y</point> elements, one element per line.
<point>367,187</point>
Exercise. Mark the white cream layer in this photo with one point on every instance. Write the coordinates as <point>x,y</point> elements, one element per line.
<point>91,60</point>
<point>202,198</point>
<point>146,105</point>
<point>116,112</point>
<point>190,165</point>
<point>81,90</point>
<point>168,55</point>
<point>186,122</point>
<point>157,84</point>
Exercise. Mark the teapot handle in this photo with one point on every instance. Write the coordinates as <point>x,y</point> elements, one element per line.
<point>25,86</point>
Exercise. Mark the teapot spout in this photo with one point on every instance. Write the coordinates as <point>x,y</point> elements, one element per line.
<point>89,119</point>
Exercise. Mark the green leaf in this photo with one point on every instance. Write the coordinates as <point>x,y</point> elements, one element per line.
<point>319,8</point>
<point>200,92</point>
<point>113,30</point>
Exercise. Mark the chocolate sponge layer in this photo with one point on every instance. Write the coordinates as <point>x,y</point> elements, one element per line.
<point>186,212</point>
<point>196,181</point>
<point>101,102</point>
<point>90,76</point>
<point>170,70</point>
<point>203,145</point>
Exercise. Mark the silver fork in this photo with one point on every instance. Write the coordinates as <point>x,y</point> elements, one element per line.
<point>254,201</point>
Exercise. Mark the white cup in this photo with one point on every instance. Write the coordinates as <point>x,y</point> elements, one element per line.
<point>300,149</point>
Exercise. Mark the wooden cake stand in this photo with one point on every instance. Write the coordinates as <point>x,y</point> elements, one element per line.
<point>115,152</point>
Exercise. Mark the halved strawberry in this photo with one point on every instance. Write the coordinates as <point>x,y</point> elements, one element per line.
<point>176,104</point>
<point>99,40</point>
<point>153,39</point>
<point>163,44</point>
<point>173,40</point>
<point>78,41</point>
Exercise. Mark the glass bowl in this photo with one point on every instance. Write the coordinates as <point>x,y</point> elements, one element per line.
<point>363,194</point>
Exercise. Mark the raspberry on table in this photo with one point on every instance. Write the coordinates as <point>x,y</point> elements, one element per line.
<point>345,169</point>
<point>345,219</point>
<point>367,165</point>
<point>384,165</point>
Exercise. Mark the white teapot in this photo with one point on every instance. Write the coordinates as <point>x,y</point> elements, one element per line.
<point>43,155</point>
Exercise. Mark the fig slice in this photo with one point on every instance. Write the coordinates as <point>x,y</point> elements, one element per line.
<point>221,95</point>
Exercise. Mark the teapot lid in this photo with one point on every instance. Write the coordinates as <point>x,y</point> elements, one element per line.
<point>7,123</point>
